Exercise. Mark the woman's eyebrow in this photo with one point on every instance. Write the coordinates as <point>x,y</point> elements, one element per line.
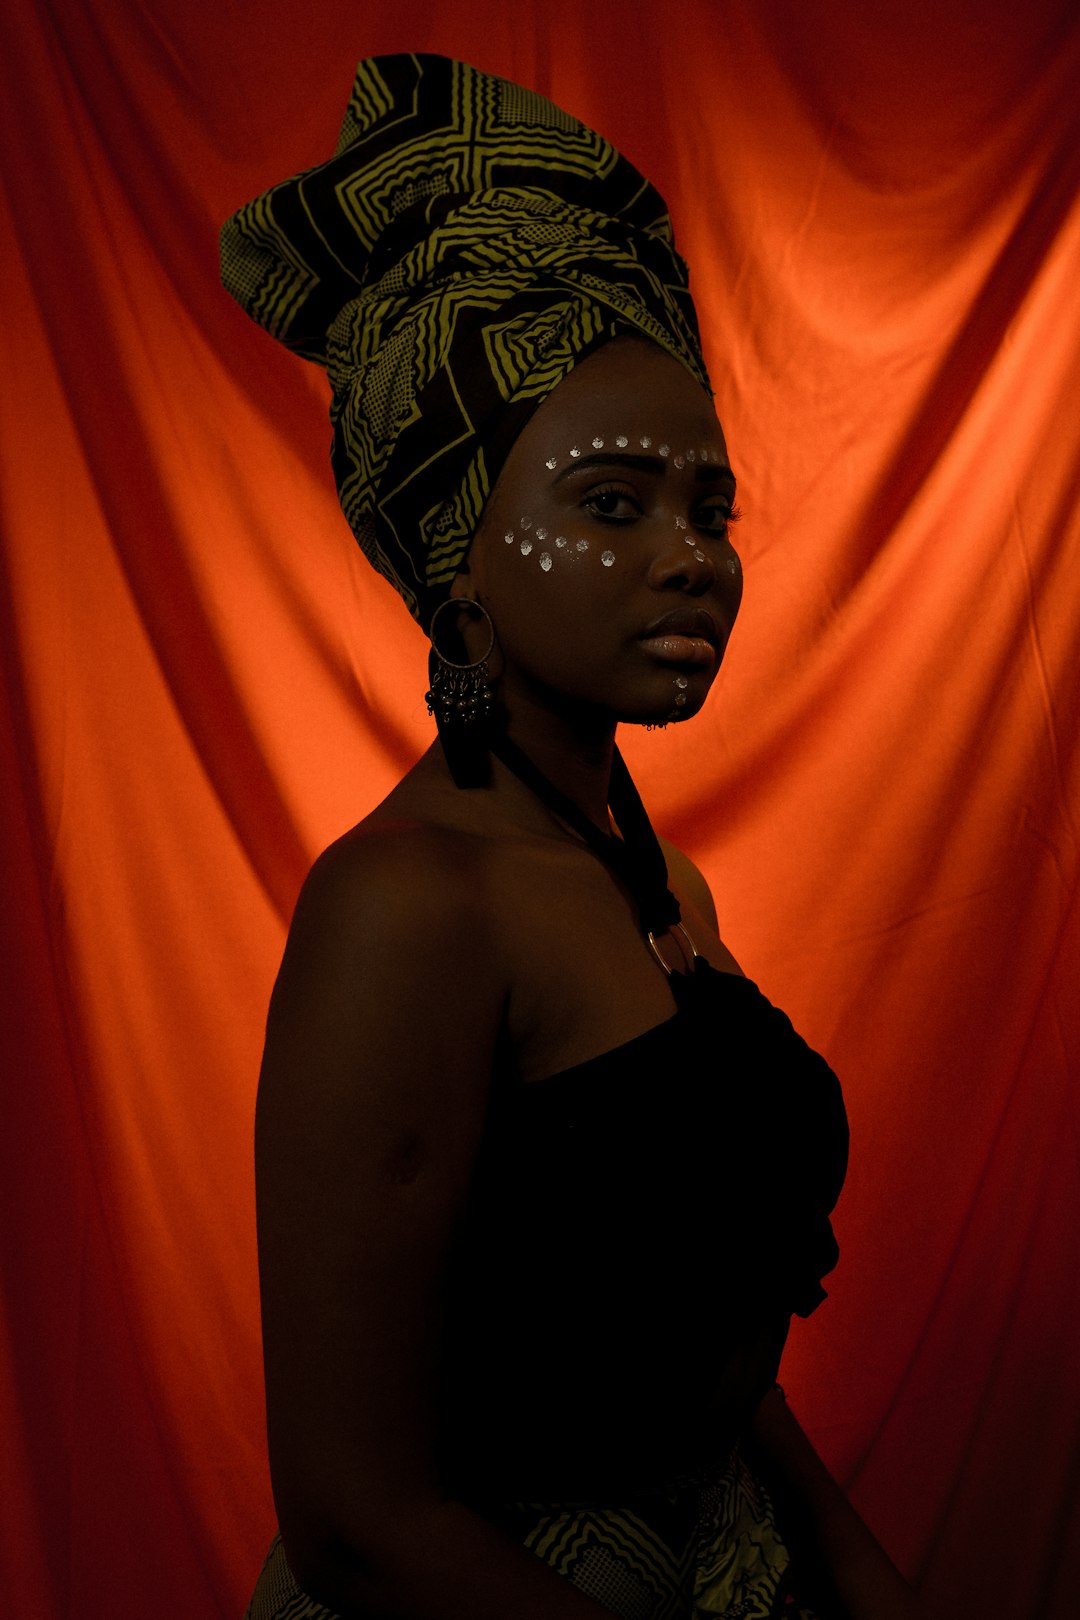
<point>705,471</point>
<point>614,458</point>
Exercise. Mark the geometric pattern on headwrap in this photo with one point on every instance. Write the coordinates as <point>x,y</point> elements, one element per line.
<point>466,246</point>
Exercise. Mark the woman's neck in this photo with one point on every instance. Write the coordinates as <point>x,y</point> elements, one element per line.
<point>574,752</point>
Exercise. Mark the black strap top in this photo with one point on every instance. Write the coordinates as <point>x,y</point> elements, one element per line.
<point>641,1228</point>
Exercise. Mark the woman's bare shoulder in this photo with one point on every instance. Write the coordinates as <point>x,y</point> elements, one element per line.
<point>389,862</point>
<point>689,882</point>
<point>430,854</point>
<point>698,908</point>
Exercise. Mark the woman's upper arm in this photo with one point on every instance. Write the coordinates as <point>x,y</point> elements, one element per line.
<point>379,1051</point>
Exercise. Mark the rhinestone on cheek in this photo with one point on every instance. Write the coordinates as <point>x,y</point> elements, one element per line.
<point>607,558</point>
<point>509,537</point>
<point>700,555</point>
<point>664,449</point>
<point>551,463</point>
<point>526,547</point>
<point>575,451</point>
<point>680,523</point>
<point>582,545</point>
<point>598,443</point>
<point>645,441</point>
<point>680,461</point>
<point>732,566</point>
<point>541,534</point>
<point>525,523</point>
<point>545,560</point>
<point>691,455</point>
<point>560,541</point>
<point>680,698</point>
<point>681,681</point>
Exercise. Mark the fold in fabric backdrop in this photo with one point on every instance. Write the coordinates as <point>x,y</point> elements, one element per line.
<point>205,684</point>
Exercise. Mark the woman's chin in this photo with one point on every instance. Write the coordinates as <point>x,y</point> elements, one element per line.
<point>654,719</point>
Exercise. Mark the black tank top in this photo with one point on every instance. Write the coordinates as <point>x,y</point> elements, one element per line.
<point>640,1229</point>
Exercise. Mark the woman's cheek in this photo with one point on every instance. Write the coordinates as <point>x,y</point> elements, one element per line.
<point>543,548</point>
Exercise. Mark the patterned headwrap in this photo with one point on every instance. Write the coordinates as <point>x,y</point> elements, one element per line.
<point>465,247</point>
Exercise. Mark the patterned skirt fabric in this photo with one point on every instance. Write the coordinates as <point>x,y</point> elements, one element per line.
<point>705,1549</point>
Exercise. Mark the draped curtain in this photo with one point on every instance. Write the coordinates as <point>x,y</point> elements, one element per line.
<point>204,684</point>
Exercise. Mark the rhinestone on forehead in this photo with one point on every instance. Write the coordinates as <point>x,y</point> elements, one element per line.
<point>645,441</point>
<point>551,463</point>
<point>664,449</point>
<point>545,560</point>
<point>541,534</point>
<point>526,547</point>
<point>680,461</point>
<point>525,523</point>
<point>575,450</point>
<point>680,523</point>
<point>691,455</point>
<point>598,443</point>
<point>607,558</point>
<point>560,541</point>
<point>582,545</point>
<point>509,537</point>
<point>621,440</point>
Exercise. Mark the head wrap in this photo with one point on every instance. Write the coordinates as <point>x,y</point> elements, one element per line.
<point>465,247</point>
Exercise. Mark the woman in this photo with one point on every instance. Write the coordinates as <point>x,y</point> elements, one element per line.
<point>541,1176</point>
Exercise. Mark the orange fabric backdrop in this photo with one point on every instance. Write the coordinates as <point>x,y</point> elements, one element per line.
<point>205,685</point>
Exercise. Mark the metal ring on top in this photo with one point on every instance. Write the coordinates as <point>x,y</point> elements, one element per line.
<point>679,928</point>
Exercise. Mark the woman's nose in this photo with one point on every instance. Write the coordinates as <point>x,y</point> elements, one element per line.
<point>682,563</point>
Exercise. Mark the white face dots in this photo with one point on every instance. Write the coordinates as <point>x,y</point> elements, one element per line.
<point>554,552</point>
<point>528,536</point>
<point>704,456</point>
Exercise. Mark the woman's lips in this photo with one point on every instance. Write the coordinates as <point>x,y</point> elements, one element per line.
<point>680,649</point>
<point>684,635</point>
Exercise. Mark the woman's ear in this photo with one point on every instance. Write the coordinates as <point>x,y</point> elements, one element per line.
<point>463,587</point>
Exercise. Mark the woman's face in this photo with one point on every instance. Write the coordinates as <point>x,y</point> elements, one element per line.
<point>603,557</point>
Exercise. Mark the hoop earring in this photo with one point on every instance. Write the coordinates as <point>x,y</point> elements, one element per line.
<point>461,696</point>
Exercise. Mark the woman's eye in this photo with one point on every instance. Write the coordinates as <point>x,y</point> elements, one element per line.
<point>716,519</point>
<point>612,505</point>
